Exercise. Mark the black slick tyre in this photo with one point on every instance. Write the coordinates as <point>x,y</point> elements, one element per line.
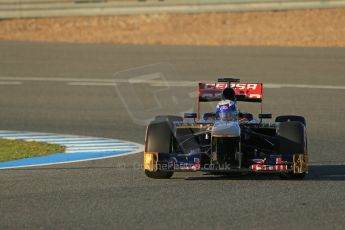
<point>293,139</point>
<point>159,139</point>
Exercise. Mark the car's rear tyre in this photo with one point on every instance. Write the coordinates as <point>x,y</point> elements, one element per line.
<point>291,118</point>
<point>293,139</point>
<point>159,139</point>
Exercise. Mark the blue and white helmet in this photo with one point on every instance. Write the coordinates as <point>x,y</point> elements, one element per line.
<point>227,110</point>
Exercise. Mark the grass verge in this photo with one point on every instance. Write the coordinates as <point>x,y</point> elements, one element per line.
<point>18,149</point>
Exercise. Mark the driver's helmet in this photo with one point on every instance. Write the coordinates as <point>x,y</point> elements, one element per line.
<point>227,111</point>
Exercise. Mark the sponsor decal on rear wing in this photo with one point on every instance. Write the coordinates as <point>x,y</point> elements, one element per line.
<point>251,92</point>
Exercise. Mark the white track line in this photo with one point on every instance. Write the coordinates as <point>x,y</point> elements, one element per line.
<point>55,79</point>
<point>27,137</point>
<point>49,139</point>
<point>86,142</point>
<point>97,144</point>
<point>99,150</point>
<point>10,83</point>
<point>111,82</point>
<point>277,86</point>
<point>101,147</point>
<point>91,84</point>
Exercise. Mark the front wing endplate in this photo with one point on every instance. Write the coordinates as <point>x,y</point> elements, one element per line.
<point>300,163</point>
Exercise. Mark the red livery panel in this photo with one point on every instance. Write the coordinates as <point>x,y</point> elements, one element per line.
<point>213,91</point>
<point>259,167</point>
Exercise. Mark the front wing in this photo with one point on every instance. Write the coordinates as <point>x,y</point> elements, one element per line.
<point>154,161</point>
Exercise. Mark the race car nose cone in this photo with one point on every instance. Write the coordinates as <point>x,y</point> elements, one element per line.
<point>226,129</point>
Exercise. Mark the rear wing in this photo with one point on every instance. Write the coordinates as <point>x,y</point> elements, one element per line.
<point>250,92</point>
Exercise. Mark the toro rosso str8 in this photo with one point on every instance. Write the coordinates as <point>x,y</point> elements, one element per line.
<point>226,141</point>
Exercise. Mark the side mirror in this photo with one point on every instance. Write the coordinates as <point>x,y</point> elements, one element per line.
<point>265,115</point>
<point>190,115</point>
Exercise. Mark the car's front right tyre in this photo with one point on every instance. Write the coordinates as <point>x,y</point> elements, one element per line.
<point>159,140</point>
<point>293,140</point>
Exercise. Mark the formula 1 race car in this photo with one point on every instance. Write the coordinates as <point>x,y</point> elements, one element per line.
<point>226,141</point>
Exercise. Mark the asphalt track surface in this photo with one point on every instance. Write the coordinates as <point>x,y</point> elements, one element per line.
<point>65,88</point>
